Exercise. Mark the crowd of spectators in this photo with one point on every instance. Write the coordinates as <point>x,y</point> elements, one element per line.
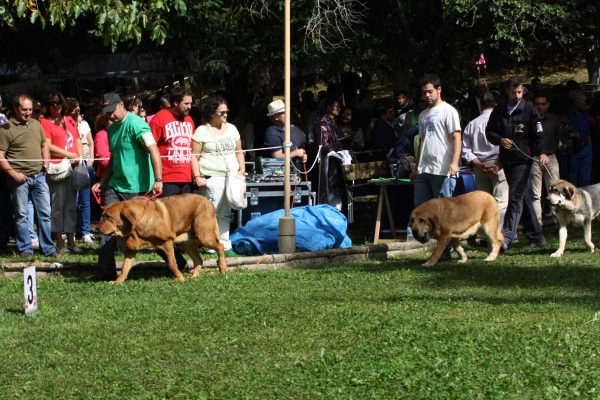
<point>333,121</point>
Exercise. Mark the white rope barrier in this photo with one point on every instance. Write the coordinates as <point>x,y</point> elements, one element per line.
<point>317,159</point>
<point>107,159</point>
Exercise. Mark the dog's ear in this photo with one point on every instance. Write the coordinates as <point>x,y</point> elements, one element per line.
<point>568,192</point>
<point>433,221</point>
<point>129,214</point>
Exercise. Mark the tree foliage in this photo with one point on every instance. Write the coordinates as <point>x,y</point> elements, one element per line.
<point>114,21</point>
<point>519,24</point>
<point>242,40</point>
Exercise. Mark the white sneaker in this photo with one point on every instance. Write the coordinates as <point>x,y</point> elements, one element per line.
<point>35,243</point>
<point>88,239</point>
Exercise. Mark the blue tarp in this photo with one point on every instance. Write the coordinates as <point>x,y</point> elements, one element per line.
<point>317,228</point>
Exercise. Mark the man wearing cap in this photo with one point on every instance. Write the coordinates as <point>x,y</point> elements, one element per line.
<point>274,136</point>
<point>134,169</point>
<point>22,138</point>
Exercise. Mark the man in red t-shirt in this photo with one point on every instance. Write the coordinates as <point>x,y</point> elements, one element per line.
<point>173,129</point>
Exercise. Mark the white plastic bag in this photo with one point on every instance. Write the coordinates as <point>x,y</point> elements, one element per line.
<point>236,191</point>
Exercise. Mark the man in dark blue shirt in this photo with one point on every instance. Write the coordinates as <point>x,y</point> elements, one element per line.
<point>274,136</point>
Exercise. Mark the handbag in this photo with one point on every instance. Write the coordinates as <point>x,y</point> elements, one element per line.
<point>235,184</point>
<point>80,178</point>
<point>59,172</point>
<point>62,170</point>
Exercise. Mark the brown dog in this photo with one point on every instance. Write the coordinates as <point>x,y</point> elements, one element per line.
<point>454,218</point>
<point>143,223</point>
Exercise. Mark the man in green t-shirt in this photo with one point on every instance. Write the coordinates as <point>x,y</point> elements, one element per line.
<point>134,169</point>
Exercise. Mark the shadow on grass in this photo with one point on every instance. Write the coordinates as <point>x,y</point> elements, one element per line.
<point>519,267</point>
<point>141,273</point>
<point>583,300</point>
<point>15,311</point>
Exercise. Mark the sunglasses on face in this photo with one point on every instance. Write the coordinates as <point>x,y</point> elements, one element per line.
<point>55,103</point>
<point>223,112</point>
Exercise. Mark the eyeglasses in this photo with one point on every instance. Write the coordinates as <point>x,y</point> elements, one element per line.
<point>55,103</point>
<point>223,112</point>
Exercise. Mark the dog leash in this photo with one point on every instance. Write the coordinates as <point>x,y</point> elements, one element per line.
<point>531,158</point>
<point>148,199</point>
<point>97,197</point>
<point>98,200</point>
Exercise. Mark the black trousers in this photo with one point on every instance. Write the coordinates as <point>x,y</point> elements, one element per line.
<point>520,199</point>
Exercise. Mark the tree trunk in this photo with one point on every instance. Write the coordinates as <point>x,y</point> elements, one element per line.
<point>402,75</point>
<point>592,59</point>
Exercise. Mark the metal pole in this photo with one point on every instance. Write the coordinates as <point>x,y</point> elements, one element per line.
<point>286,203</point>
<point>287,224</point>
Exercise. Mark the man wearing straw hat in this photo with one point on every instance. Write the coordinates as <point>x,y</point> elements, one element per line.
<point>274,136</point>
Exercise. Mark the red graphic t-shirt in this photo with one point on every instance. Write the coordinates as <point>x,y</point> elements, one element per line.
<point>60,137</point>
<point>173,136</point>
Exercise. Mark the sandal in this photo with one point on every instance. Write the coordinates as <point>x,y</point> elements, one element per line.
<point>75,249</point>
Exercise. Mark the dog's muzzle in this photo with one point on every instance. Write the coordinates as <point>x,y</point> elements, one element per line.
<point>420,238</point>
<point>554,200</point>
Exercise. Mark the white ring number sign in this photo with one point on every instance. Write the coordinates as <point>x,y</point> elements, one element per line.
<point>30,291</point>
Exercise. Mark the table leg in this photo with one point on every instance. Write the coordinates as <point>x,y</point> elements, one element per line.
<point>379,210</point>
<point>389,212</point>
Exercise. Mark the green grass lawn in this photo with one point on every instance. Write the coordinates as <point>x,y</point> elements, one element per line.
<point>524,327</point>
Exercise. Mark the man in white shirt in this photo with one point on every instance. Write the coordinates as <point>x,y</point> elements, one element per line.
<point>439,151</point>
<point>489,175</point>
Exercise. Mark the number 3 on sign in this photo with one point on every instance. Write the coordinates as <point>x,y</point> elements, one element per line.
<point>30,291</point>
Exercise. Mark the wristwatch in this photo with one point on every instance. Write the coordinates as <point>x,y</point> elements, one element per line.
<point>158,180</point>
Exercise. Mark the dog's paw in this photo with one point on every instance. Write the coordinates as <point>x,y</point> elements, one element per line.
<point>427,265</point>
<point>462,261</point>
<point>113,282</point>
<point>556,254</point>
<point>180,279</point>
<point>490,258</point>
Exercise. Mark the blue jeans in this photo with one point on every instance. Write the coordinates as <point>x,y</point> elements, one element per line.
<point>428,186</point>
<point>581,167</point>
<point>31,218</point>
<point>84,209</point>
<point>35,188</point>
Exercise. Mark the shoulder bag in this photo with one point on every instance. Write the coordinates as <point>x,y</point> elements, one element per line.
<point>235,184</point>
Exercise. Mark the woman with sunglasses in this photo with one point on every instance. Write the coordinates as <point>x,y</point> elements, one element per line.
<point>217,148</point>
<point>63,139</point>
